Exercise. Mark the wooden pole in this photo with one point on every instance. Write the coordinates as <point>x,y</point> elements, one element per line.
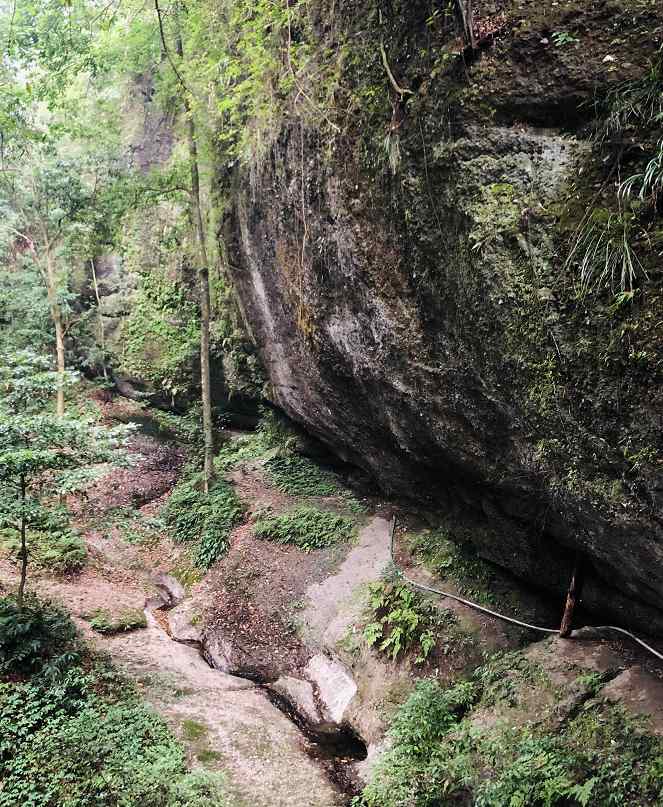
<point>572,598</point>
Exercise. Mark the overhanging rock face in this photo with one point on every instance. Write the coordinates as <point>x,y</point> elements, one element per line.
<point>422,326</point>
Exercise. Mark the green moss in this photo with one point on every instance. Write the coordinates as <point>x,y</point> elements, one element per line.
<point>193,730</point>
<point>102,621</point>
<point>160,336</point>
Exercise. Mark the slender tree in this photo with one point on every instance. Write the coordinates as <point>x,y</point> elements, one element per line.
<point>202,270</point>
<point>35,446</point>
<point>48,201</point>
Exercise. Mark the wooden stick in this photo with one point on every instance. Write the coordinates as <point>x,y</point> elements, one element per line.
<point>572,598</point>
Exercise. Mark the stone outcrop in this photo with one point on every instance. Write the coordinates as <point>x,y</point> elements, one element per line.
<point>418,318</point>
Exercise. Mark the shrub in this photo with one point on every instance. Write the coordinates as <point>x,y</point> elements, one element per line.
<point>305,527</point>
<point>402,619</point>
<point>39,637</point>
<point>60,550</point>
<point>68,745</point>
<point>206,519</point>
<point>420,769</point>
<point>130,619</point>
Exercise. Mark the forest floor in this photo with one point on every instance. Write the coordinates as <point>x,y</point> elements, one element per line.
<point>275,619</point>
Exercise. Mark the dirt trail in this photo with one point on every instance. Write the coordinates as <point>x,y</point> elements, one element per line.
<point>226,723</point>
<point>333,603</point>
<point>273,608</point>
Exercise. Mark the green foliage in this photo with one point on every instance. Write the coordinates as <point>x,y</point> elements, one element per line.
<point>420,769</point>
<point>440,755</point>
<point>24,314</point>
<point>36,638</point>
<point>161,333</point>
<point>59,550</point>
<point>561,38</point>
<point>649,183</point>
<point>300,476</point>
<point>457,562</point>
<point>402,620</point>
<point>257,56</point>
<point>240,449</point>
<point>69,743</point>
<point>503,674</point>
<point>206,519</point>
<point>605,250</point>
<point>36,446</point>
<point>185,428</point>
<point>272,433</point>
<point>305,527</point>
<point>130,619</point>
<point>612,244</point>
<point>537,774</point>
<point>632,105</point>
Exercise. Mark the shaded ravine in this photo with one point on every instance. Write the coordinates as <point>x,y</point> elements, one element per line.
<point>334,747</point>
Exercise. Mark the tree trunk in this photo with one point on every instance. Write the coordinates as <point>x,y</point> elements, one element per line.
<point>100,321</point>
<point>203,287</point>
<point>24,551</point>
<point>466,13</point>
<point>56,316</point>
<point>572,598</point>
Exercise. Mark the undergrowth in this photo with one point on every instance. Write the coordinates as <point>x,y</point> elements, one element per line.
<point>206,520</point>
<point>402,620</point>
<point>305,527</point>
<point>81,737</point>
<point>38,638</point>
<point>449,560</point>
<point>439,755</point>
<point>291,473</point>
<point>300,476</point>
<point>60,550</point>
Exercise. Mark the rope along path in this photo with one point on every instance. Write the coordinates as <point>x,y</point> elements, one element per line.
<point>401,573</point>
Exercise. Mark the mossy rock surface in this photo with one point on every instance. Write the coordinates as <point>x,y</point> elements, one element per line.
<point>429,329</point>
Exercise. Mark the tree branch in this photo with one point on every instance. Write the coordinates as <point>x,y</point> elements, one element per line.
<point>162,34</point>
<point>400,90</point>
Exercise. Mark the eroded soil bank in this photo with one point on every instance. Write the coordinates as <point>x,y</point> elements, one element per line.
<point>262,666</point>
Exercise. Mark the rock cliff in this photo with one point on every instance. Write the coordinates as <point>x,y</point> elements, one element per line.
<point>402,273</point>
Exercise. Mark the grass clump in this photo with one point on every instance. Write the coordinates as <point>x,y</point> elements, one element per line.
<point>402,620</point>
<point>130,619</point>
<point>305,527</point>
<point>205,519</point>
<point>193,730</point>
